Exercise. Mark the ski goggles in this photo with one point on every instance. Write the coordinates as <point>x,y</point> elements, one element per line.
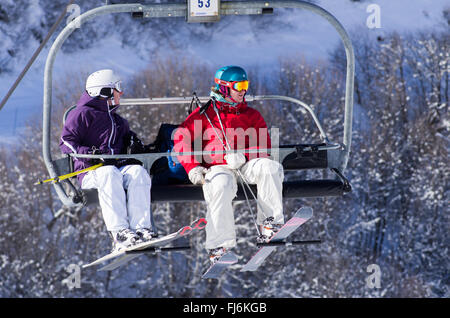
<point>118,86</point>
<point>237,86</point>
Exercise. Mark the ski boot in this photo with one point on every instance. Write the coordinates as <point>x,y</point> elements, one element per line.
<point>146,234</point>
<point>268,229</point>
<point>216,253</point>
<point>124,239</point>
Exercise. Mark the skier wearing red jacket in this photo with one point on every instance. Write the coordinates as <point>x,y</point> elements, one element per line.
<point>230,124</point>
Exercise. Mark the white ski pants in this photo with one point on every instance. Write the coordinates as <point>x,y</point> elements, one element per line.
<point>221,187</point>
<point>120,209</point>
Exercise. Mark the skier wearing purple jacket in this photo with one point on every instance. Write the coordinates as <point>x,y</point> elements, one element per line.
<point>94,127</point>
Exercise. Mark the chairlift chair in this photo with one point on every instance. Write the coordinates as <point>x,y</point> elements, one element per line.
<point>326,155</point>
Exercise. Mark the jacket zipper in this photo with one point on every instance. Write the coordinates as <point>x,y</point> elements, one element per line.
<point>112,132</point>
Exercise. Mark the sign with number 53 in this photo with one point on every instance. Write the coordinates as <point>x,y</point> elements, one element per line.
<point>203,10</point>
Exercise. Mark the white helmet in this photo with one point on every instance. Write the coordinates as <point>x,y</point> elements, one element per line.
<point>102,83</point>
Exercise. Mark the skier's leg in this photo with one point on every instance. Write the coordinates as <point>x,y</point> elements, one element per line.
<point>219,190</point>
<point>111,196</point>
<point>138,183</point>
<point>268,176</point>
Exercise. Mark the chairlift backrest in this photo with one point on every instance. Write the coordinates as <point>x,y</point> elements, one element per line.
<point>66,113</point>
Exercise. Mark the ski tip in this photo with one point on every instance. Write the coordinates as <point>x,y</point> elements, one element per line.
<point>91,264</point>
<point>305,212</point>
<point>215,271</point>
<point>229,258</point>
<point>200,224</point>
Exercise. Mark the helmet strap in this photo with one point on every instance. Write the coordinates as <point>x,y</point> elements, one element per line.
<point>232,99</point>
<point>219,96</point>
<point>112,104</point>
<point>226,92</point>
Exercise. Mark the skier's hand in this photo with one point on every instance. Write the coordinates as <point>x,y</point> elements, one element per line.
<point>197,175</point>
<point>235,160</point>
<point>134,144</point>
<point>103,150</point>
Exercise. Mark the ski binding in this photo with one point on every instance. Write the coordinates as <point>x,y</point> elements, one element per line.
<point>300,217</point>
<point>155,245</point>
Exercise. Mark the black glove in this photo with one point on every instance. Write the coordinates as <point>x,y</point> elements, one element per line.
<point>127,161</point>
<point>101,151</point>
<point>133,144</point>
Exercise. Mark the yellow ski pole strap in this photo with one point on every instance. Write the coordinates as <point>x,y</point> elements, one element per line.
<point>69,175</point>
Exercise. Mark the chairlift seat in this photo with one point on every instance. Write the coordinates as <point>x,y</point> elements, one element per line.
<point>194,193</point>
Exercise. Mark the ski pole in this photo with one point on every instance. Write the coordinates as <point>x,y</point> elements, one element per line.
<point>69,175</point>
<point>287,243</point>
<point>237,171</point>
<point>226,145</point>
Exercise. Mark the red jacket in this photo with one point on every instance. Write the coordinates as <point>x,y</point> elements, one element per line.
<point>244,126</point>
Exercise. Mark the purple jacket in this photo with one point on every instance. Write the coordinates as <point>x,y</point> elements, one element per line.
<point>93,124</point>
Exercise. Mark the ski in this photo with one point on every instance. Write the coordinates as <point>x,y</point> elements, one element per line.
<point>300,217</point>
<point>137,250</point>
<point>288,243</point>
<point>124,256</point>
<point>216,269</point>
<point>155,249</point>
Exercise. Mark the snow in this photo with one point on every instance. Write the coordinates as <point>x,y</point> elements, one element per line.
<point>234,43</point>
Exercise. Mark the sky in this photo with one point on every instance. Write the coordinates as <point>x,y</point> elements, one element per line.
<point>306,33</point>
